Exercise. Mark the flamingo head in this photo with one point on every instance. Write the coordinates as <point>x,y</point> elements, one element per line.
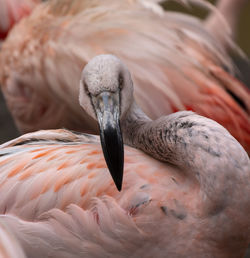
<point>106,94</point>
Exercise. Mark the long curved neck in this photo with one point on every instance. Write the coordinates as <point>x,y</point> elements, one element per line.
<point>175,138</point>
<point>203,149</point>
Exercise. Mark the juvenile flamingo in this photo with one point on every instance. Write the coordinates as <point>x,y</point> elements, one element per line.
<point>194,201</point>
<point>176,64</point>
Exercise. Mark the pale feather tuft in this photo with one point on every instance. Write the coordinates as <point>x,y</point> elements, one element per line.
<point>104,230</point>
<point>9,245</point>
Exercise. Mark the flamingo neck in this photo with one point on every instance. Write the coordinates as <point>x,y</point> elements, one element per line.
<point>200,147</point>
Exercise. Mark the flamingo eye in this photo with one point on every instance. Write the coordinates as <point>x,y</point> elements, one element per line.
<point>120,82</point>
<point>86,88</point>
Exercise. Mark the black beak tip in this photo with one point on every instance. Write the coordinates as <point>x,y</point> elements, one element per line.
<point>118,186</point>
<point>118,181</point>
<point>116,170</point>
<point>114,156</point>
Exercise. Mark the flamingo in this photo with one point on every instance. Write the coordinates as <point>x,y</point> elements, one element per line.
<point>176,64</point>
<point>185,191</point>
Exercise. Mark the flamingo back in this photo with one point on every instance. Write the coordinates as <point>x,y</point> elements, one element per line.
<point>52,169</point>
<point>58,200</point>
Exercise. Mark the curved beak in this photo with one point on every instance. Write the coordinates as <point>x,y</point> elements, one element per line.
<point>107,108</point>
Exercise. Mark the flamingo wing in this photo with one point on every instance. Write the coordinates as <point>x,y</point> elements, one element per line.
<point>52,169</point>
<point>35,171</point>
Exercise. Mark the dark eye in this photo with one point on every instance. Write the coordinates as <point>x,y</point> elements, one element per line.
<point>120,82</point>
<point>86,88</point>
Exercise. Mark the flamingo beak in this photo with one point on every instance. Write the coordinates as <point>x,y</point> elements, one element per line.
<point>107,108</point>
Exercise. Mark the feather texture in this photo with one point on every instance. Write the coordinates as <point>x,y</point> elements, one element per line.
<point>59,201</point>
<point>9,245</point>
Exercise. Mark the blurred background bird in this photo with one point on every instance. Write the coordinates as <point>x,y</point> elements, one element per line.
<point>176,63</point>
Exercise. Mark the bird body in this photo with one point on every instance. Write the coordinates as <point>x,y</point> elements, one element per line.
<point>75,173</point>
<point>72,162</point>
<point>46,176</point>
<point>175,63</point>
<point>188,197</point>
